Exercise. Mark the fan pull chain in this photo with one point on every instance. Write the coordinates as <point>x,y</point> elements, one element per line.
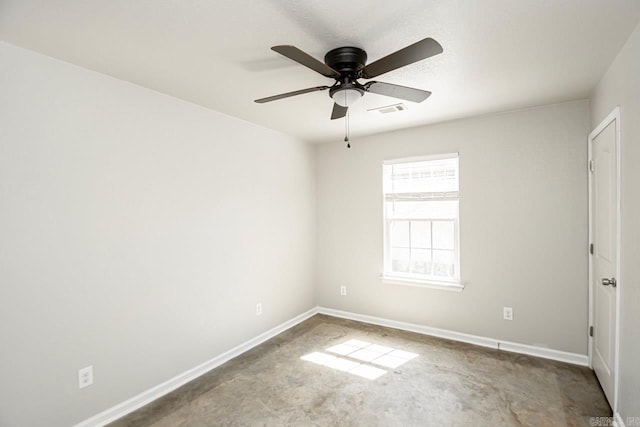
<point>346,130</point>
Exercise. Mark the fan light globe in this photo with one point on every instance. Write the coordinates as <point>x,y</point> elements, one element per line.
<point>346,97</point>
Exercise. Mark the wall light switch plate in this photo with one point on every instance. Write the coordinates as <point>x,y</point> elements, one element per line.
<point>85,377</point>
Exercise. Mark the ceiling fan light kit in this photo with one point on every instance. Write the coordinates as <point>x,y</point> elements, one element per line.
<point>348,64</point>
<point>345,96</point>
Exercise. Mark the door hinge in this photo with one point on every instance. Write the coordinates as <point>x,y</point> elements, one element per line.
<point>591,248</point>
<point>592,167</point>
<point>590,331</point>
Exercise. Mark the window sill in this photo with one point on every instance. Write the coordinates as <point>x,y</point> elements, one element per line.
<point>431,284</point>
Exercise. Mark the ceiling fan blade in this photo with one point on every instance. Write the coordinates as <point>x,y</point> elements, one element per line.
<point>338,111</point>
<point>305,59</point>
<point>288,94</point>
<point>396,91</point>
<point>416,52</point>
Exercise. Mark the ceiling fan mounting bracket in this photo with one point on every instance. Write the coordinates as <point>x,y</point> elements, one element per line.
<point>347,61</point>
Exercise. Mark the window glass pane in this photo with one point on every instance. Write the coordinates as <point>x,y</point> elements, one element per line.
<point>420,234</point>
<point>443,235</point>
<point>425,176</point>
<point>421,261</point>
<point>399,234</point>
<point>440,209</point>
<point>421,218</point>
<point>443,263</point>
<point>400,260</point>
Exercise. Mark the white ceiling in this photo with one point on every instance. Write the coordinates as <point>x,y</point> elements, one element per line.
<point>498,54</point>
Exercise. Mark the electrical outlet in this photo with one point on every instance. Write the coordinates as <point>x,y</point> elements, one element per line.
<point>507,313</point>
<point>85,377</point>
<point>259,309</point>
<point>343,290</point>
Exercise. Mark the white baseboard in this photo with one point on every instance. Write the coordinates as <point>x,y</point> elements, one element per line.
<point>168,386</point>
<point>617,420</point>
<point>547,353</point>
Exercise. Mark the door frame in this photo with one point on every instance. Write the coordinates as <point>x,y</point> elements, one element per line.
<point>614,116</point>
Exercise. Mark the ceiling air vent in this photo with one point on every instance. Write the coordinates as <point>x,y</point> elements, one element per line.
<point>390,108</point>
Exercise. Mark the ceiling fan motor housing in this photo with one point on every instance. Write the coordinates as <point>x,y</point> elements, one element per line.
<point>349,61</point>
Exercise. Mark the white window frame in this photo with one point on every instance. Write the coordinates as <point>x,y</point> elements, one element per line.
<point>389,277</point>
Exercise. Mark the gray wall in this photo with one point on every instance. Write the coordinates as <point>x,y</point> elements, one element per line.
<point>523,219</point>
<point>621,86</point>
<point>137,234</point>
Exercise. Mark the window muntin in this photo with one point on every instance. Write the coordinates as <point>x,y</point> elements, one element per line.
<point>421,219</point>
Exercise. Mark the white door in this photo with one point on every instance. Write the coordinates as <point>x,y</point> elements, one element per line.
<point>603,231</point>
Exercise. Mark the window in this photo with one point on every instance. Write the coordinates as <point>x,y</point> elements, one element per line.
<point>421,227</point>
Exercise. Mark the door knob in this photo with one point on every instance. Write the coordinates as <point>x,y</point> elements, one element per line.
<point>607,282</point>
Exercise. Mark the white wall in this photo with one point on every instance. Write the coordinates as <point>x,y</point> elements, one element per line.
<point>523,218</point>
<point>621,86</point>
<point>137,234</point>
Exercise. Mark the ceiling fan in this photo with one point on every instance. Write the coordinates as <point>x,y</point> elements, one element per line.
<point>348,64</point>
